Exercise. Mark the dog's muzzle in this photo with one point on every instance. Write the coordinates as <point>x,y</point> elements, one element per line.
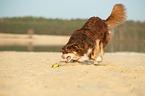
<point>68,57</point>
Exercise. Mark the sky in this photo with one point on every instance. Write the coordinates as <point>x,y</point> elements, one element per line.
<point>70,9</point>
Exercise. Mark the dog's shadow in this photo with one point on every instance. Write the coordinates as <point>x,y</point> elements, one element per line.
<point>74,63</point>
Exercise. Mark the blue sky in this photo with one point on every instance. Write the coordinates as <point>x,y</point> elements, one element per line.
<point>68,9</point>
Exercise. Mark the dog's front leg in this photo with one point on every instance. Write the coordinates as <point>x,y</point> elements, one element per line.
<point>95,51</point>
<point>100,58</point>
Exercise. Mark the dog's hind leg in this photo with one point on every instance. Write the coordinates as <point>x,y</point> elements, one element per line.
<point>95,51</point>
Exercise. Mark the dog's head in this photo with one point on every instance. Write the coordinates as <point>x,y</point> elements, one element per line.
<point>71,52</point>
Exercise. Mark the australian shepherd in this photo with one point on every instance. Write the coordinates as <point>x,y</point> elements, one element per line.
<point>88,43</point>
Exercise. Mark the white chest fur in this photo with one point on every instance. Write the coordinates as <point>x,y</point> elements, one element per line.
<point>85,57</point>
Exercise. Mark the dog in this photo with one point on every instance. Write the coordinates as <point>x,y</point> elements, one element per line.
<point>89,42</point>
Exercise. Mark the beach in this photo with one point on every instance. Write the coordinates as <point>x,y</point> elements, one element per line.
<point>30,74</point>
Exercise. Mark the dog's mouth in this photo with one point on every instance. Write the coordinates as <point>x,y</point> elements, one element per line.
<point>68,58</point>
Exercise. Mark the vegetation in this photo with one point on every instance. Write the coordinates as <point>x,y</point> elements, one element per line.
<point>21,25</point>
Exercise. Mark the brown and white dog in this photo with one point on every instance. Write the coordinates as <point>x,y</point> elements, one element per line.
<point>84,43</point>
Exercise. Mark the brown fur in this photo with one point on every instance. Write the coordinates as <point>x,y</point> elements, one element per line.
<point>118,15</point>
<point>95,28</point>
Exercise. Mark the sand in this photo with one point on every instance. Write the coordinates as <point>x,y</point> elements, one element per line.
<point>30,74</point>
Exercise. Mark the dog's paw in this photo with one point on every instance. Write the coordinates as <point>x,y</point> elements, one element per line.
<point>93,57</point>
<point>99,59</point>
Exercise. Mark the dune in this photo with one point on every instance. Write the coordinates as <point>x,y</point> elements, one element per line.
<point>30,74</point>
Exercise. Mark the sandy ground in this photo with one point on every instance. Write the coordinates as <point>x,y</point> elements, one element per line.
<point>30,74</point>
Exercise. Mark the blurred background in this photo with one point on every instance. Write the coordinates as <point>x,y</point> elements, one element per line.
<point>46,25</point>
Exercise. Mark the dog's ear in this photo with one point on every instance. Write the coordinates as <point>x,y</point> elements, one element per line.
<point>69,45</point>
<point>77,47</point>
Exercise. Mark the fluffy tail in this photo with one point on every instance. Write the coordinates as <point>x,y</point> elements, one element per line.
<point>117,16</point>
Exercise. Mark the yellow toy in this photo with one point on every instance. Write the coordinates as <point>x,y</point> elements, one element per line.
<point>55,66</point>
